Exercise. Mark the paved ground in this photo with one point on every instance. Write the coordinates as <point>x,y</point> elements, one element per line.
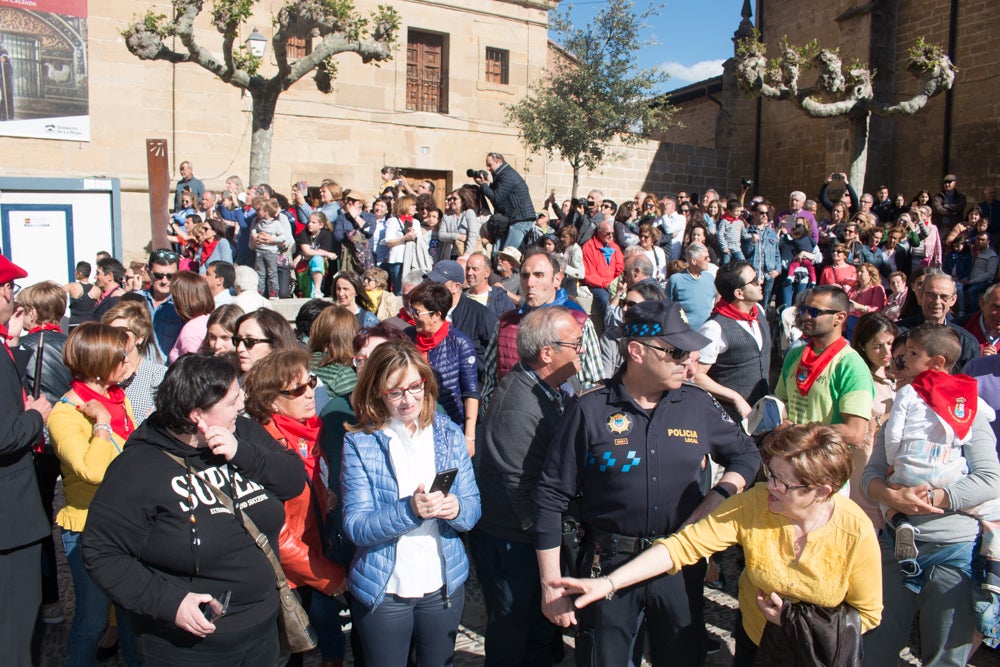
<point>720,613</point>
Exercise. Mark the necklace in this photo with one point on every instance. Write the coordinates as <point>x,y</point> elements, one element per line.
<point>799,543</point>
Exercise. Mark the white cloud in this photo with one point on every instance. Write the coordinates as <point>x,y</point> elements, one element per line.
<point>700,71</point>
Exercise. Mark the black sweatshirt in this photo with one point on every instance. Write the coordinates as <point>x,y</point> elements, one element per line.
<point>138,543</point>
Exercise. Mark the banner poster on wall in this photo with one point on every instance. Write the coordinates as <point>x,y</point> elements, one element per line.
<point>43,69</point>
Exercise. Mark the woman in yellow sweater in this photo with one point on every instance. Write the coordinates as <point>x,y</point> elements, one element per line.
<point>803,542</point>
<point>88,428</point>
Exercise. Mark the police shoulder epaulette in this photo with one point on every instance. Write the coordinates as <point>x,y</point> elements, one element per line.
<point>592,388</point>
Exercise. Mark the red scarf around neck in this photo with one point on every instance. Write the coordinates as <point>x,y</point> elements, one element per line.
<point>404,315</point>
<point>114,403</point>
<point>207,248</point>
<point>427,342</point>
<point>727,309</point>
<point>45,327</point>
<point>811,365</point>
<point>300,436</point>
<point>953,398</point>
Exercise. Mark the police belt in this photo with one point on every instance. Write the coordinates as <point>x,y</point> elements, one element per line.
<point>613,543</point>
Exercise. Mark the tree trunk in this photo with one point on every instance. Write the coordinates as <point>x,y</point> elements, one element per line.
<point>576,180</point>
<point>858,148</point>
<point>264,102</point>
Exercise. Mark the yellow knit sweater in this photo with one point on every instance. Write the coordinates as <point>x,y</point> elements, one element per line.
<point>840,562</point>
<point>84,459</point>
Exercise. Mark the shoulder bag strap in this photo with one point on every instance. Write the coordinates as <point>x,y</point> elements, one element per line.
<point>258,537</point>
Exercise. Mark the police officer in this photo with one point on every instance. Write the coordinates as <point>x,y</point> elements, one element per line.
<point>631,451</point>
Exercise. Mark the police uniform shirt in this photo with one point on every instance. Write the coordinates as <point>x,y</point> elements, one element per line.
<point>638,473</point>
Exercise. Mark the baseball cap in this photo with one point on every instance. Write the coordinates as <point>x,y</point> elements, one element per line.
<point>446,270</point>
<point>10,271</point>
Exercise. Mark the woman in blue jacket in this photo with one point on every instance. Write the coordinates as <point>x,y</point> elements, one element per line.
<point>451,355</point>
<point>408,574</point>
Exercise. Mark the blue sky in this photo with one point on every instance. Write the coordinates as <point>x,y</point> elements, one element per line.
<point>693,37</point>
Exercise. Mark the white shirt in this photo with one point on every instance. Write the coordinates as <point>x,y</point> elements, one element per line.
<point>673,225</point>
<point>418,567</point>
<point>717,339</point>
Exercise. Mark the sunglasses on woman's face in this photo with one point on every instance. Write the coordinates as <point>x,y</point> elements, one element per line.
<point>249,342</point>
<point>301,389</point>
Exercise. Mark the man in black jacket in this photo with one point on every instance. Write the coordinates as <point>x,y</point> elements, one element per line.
<point>22,520</point>
<point>510,197</point>
<point>519,426</point>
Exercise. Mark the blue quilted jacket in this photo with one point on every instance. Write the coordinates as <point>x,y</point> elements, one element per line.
<point>454,364</point>
<point>375,516</point>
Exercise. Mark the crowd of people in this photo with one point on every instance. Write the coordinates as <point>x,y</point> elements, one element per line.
<point>585,402</point>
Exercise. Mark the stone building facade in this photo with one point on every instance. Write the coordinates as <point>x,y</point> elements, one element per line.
<point>782,149</point>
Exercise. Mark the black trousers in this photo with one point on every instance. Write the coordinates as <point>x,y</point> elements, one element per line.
<point>673,608</point>
<point>21,593</point>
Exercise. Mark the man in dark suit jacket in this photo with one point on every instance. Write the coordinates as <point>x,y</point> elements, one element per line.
<point>510,197</point>
<point>23,523</point>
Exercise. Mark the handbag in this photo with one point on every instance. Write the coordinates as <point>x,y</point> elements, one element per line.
<point>294,631</point>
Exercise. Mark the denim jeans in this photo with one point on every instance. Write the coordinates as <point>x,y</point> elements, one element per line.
<point>516,233</point>
<point>91,615</point>
<point>431,620</point>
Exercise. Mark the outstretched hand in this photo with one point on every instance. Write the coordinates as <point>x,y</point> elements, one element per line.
<point>587,590</point>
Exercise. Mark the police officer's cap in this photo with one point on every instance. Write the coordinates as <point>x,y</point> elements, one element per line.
<point>662,319</point>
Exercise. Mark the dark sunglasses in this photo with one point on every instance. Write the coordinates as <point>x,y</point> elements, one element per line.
<point>249,342</point>
<point>816,312</point>
<point>160,276</point>
<point>301,389</point>
<point>676,354</point>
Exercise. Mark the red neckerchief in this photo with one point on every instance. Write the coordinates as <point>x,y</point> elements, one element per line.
<point>406,218</point>
<point>404,315</point>
<point>114,403</point>
<point>727,309</point>
<point>301,436</point>
<point>427,342</point>
<point>45,327</point>
<point>812,364</point>
<point>207,248</point>
<point>953,398</point>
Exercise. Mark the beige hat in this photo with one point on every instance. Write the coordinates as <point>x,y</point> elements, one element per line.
<point>511,253</point>
<point>357,195</point>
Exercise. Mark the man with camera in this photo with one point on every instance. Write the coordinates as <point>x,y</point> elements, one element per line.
<point>510,197</point>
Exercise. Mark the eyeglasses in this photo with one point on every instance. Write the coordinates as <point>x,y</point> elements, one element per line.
<point>164,257</point>
<point>414,389</point>
<point>629,304</point>
<point>359,361</point>
<point>15,289</point>
<point>578,345</point>
<point>816,312</point>
<point>756,280</point>
<point>936,296</point>
<point>300,389</point>
<point>451,198</point>
<point>762,213</point>
<point>780,484</point>
<point>417,313</point>
<point>249,342</point>
<point>676,354</point>
<point>160,276</point>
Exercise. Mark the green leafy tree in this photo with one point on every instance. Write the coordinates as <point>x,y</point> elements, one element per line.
<point>839,90</point>
<point>596,93</point>
<point>333,25</point>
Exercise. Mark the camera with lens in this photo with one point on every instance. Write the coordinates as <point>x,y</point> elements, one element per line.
<point>476,173</point>
<point>747,183</point>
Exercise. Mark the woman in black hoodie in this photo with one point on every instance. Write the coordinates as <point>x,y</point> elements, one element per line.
<point>159,541</point>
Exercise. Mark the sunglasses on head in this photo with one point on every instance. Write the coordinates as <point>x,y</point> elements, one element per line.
<point>301,389</point>
<point>164,257</point>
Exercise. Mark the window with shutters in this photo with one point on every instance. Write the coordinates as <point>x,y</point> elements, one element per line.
<point>426,72</point>
<point>298,47</point>
<point>497,65</point>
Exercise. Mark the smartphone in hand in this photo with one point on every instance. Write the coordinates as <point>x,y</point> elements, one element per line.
<point>443,481</point>
<point>217,607</point>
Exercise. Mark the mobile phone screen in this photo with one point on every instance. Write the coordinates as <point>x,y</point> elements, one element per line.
<point>443,481</point>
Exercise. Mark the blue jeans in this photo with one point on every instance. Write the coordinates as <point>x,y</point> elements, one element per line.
<point>601,299</point>
<point>516,631</point>
<point>431,620</point>
<point>516,233</point>
<point>91,615</point>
